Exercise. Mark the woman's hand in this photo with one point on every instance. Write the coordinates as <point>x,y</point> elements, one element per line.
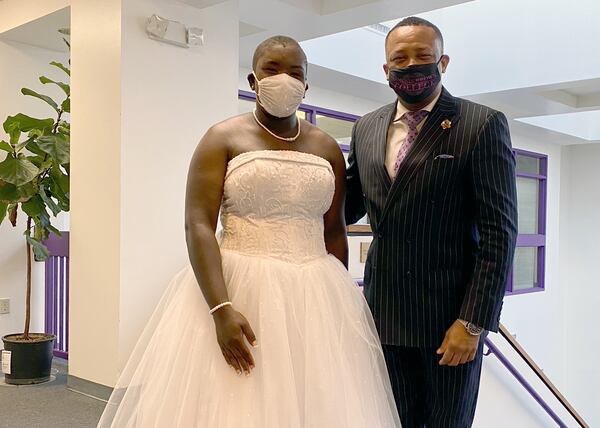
<point>231,328</point>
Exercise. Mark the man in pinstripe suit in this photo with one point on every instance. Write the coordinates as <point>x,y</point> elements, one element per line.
<point>436,176</point>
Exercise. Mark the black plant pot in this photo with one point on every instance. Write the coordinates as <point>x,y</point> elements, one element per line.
<point>31,360</point>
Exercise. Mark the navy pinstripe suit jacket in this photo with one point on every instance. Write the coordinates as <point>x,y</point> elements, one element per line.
<point>444,230</point>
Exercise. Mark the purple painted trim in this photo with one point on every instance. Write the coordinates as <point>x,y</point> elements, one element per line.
<point>58,245</point>
<point>531,240</point>
<point>543,196</point>
<point>530,175</point>
<point>61,354</point>
<point>535,240</point>
<point>513,370</point>
<point>247,95</point>
<point>524,291</point>
<point>56,318</point>
<point>345,147</point>
<point>334,113</point>
<point>530,154</point>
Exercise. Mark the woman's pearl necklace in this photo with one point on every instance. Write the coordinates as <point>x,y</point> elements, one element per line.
<point>288,139</point>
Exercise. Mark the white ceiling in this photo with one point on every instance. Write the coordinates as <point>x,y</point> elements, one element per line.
<point>583,124</point>
<point>537,62</point>
<point>539,65</point>
<point>42,32</point>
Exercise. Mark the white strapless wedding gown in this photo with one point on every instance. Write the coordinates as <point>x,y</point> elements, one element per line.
<point>319,361</point>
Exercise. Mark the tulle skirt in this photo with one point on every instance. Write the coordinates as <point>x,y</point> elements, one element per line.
<point>318,362</point>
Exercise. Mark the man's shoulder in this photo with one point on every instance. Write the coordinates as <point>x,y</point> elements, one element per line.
<point>476,111</point>
<point>368,118</point>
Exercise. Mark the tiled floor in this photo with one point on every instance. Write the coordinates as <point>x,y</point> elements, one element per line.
<point>49,405</point>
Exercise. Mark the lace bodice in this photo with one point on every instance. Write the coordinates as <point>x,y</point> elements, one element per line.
<point>274,202</point>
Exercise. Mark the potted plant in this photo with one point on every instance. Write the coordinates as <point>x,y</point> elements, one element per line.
<point>34,181</point>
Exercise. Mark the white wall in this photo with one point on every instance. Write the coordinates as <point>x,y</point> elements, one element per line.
<point>580,235</point>
<point>538,319</point>
<point>503,401</point>
<point>20,66</point>
<point>181,94</point>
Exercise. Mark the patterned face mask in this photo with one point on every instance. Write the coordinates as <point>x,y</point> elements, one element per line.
<point>280,95</point>
<point>414,84</point>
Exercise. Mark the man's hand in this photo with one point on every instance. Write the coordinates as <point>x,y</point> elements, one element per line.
<point>458,347</point>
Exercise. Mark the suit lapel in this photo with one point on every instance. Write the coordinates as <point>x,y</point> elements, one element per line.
<point>431,136</point>
<point>380,146</point>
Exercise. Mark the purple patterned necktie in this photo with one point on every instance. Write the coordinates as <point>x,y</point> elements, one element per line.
<point>412,119</point>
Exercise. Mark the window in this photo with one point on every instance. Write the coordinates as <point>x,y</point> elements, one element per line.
<point>527,274</point>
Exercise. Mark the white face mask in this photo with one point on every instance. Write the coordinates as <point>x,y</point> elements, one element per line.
<point>280,95</point>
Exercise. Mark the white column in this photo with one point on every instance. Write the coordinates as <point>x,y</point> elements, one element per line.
<point>95,247</point>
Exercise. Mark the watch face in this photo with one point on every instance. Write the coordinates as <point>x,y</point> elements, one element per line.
<point>474,330</point>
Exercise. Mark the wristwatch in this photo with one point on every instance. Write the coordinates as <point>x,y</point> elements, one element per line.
<point>472,329</point>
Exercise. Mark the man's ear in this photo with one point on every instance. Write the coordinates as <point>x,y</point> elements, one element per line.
<point>445,61</point>
<point>386,70</point>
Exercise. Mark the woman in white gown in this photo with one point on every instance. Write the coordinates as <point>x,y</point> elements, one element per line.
<point>279,305</point>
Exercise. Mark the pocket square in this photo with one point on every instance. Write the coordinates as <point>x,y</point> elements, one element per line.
<point>443,157</point>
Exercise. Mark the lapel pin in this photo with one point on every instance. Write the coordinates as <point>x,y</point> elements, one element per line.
<point>446,124</point>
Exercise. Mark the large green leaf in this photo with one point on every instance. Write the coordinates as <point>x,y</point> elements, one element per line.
<point>20,146</point>
<point>49,202</point>
<point>14,133</point>
<point>8,192</point>
<point>39,249</point>
<point>44,219</point>
<point>62,67</point>
<point>6,147</point>
<point>17,171</point>
<point>65,87</point>
<point>61,179</point>
<point>34,206</point>
<point>45,98</point>
<point>62,197</point>
<point>66,105</point>
<point>26,123</point>
<point>33,147</point>
<point>3,208</point>
<point>56,146</point>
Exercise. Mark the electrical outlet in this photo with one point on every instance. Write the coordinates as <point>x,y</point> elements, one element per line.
<point>4,306</point>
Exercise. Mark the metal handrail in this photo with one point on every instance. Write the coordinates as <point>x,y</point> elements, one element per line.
<point>539,373</point>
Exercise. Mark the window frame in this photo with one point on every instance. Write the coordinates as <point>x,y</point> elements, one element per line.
<point>537,240</point>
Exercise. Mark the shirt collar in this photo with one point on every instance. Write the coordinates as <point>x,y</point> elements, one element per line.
<point>400,109</point>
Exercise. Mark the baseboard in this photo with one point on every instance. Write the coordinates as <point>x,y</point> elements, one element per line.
<point>89,388</point>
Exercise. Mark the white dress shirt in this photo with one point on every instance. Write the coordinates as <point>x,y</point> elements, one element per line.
<point>397,134</point>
